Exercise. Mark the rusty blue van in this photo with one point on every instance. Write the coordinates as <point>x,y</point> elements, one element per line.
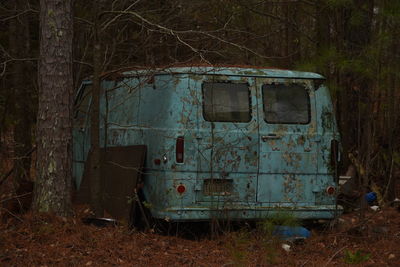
<point>222,142</point>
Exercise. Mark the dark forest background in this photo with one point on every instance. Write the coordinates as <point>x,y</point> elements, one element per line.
<point>354,43</point>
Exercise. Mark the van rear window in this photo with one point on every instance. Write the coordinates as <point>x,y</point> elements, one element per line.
<point>286,103</point>
<point>226,102</point>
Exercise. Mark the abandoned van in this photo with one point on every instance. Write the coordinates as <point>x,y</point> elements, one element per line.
<point>221,142</point>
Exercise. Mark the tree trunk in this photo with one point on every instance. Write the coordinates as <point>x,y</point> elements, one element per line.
<point>54,120</point>
<point>96,198</point>
<point>96,194</point>
<point>22,97</point>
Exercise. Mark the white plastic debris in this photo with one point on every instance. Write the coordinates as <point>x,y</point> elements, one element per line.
<point>286,247</point>
<point>343,179</point>
<point>396,203</point>
<point>375,208</point>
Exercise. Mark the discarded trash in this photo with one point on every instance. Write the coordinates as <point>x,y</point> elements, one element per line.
<point>100,222</point>
<point>370,197</point>
<point>343,179</point>
<point>375,208</point>
<point>286,247</point>
<point>291,233</point>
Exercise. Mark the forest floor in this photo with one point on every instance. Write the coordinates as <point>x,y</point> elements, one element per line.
<point>44,240</point>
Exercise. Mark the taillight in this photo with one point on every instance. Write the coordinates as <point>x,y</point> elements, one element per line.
<point>180,147</point>
<point>330,190</point>
<point>181,189</point>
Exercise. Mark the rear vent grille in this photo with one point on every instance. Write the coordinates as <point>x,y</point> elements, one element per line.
<point>219,187</point>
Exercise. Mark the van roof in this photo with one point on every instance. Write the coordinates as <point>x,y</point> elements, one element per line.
<point>217,70</point>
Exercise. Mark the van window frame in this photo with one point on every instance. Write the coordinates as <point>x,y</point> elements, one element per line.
<point>250,111</point>
<point>309,113</point>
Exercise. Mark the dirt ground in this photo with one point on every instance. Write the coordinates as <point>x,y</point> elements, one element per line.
<point>45,240</point>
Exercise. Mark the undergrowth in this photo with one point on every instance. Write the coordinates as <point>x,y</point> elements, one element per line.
<point>246,241</point>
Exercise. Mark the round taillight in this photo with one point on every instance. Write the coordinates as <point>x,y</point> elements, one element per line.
<point>330,190</point>
<point>181,189</point>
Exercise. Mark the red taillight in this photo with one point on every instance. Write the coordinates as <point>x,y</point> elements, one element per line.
<point>180,147</point>
<point>330,190</point>
<point>181,189</point>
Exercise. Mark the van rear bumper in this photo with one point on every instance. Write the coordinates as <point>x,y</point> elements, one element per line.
<point>246,213</point>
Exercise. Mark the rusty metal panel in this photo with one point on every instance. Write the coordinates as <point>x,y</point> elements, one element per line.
<point>228,149</point>
<point>121,169</point>
<point>289,144</point>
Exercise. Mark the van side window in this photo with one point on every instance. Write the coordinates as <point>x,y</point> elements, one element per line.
<point>286,103</point>
<point>226,102</point>
<point>82,105</point>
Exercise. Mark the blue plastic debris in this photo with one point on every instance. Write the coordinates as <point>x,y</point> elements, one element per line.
<point>291,232</point>
<point>370,197</point>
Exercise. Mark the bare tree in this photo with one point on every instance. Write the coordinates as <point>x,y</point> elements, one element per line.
<point>54,131</point>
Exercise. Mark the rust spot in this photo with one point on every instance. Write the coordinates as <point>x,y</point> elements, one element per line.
<point>301,140</point>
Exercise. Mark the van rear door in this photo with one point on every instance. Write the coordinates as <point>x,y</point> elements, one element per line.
<point>227,140</point>
<point>288,141</point>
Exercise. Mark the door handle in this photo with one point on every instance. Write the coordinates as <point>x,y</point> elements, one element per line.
<point>270,137</point>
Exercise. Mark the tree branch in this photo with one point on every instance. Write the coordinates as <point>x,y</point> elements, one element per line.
<point>177,34</point>
<point>19,14</point>
<point>4,63</point>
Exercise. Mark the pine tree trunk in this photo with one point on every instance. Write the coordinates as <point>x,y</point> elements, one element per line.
<point>54,120</point>
<point>95,181</point>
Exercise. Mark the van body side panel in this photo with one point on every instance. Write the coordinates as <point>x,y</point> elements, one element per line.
<point>168,110</point>
<point>327,130</point>
<point>288,150</point>
<point>236,165</point>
